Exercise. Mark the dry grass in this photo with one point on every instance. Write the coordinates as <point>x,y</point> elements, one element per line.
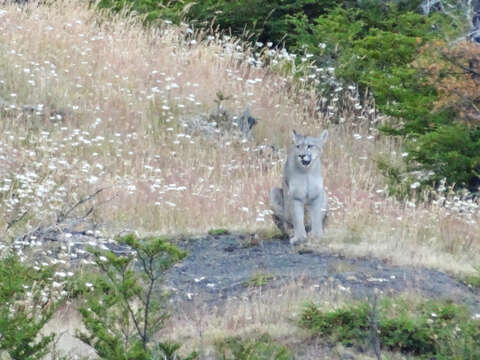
<point>273,311</point>
<point>112,106</point>
<point>199,327</point>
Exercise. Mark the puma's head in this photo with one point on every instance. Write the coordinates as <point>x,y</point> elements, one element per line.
<point>307,149</point>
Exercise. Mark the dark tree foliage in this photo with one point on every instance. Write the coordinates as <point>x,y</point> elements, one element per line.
<point>24,309</point>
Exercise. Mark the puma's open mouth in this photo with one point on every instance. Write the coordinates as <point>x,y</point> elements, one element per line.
<point>305,162</point>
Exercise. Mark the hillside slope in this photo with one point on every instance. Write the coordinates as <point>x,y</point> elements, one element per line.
<point>95,102</point>
<point>111,127</point>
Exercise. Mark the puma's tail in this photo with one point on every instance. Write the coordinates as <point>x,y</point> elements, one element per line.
<point>277,206</point>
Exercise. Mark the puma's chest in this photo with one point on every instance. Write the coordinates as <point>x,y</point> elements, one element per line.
<point>305,187</point>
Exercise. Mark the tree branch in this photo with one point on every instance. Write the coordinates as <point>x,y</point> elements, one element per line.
<point>14,221</point>
<point>467,69</point>
<point>62,216</point>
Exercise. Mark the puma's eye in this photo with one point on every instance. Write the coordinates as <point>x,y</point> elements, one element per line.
<point>309,146</point>
<point>298,146</point>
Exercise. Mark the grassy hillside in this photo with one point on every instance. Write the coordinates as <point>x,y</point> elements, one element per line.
<point>95,106</point>
<point>426,82</point>
<point>97,102</point>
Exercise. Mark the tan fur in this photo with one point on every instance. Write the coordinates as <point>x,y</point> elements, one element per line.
<point>302,196</point>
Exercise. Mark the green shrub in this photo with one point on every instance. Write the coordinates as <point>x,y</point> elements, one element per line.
<point>261,20</point>
<point>125,307</point>
<point>431,329</point>
<point>259,279</point>
<point>343,325</point>
<point>78,285</point>
<point>151,10</point>
<point>218,232</point>
<point>168,351</point>
<point>474,280</point>
<point>451,152</point>
<point>257,19</point>
<point>25,307</point>
<point>261,348</point>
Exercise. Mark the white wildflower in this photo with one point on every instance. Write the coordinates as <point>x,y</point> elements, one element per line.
<point>415,185</point>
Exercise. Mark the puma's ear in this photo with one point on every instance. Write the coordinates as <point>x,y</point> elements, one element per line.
<point>296,137</point>
<point>323,136</point>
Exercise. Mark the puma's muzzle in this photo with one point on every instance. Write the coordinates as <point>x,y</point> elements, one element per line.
<point>305,159</point>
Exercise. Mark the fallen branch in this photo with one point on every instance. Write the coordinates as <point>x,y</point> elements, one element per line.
<point>14,221</point>
<point>63,215</point>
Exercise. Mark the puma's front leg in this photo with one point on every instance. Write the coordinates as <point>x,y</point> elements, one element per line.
<point>298,210</point>
<point>319,211</point>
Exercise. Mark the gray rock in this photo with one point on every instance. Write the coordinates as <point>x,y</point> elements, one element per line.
<point>228,262</point>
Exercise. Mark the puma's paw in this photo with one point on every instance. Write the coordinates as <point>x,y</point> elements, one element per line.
<point>297,240</point>
<point>316,235</point>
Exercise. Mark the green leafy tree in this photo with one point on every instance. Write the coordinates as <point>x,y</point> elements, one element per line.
<point>125,308</point>
<point>25,306</point>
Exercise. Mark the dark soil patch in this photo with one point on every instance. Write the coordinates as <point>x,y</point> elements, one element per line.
<point>224,265</point>
<point>219,267</point>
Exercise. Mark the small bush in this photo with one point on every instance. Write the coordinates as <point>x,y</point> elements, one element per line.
<point>259,280</point>
<point>344,325</point>
<point>218,232</point>
<point>442,330</point>
<point>125,307</point>
<point>262,348</point>
<point>80,284</point>
<point>474,280</point>
<point>450,152</point>
<point>168,351</point>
